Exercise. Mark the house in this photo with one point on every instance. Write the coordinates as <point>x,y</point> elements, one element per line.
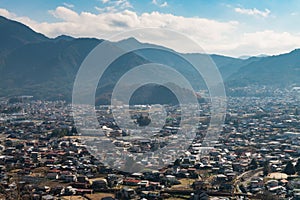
<point>35,156</point>
<point>144,184</point>
<point>257,183</point>
<point>131,181</point>
<point>277,176</point>
<point>150,195</point>
<point>52,176</point>
<point>70,178</point>
<point>271,183</point>
<point>200,185</point>
<point>126,193</point>
<point>82,179</point>
<point>48,197</point>
<point>278,190</point>
<point>98,184</point>
<point>220,178</point>
<point>82,191</point>
<point>114,180</point>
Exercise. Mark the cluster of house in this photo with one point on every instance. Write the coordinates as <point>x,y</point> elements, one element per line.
<point>263,133</point>
<point>256,153</point>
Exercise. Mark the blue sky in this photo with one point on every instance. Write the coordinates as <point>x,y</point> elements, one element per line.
<point>226,27</point>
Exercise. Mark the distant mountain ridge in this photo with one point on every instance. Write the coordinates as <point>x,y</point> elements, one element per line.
<point>33,64</point>
<point>279,71</point>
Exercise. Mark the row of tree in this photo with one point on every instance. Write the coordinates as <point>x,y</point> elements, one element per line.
<point>289,169</point>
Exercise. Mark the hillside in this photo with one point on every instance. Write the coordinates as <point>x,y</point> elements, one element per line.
<point>33,64</point>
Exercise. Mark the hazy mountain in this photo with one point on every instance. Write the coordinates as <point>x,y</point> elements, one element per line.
<point>246,57</point>
<point>279,71</point>
<point>33,64</point>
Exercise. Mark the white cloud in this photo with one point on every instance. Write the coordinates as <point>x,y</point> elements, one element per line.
<point>106,9</point>
<point>268,41</point>
<point>154,2</point>
<point>253,12</point>
<point>114,6</point>
<point>228,38</point>
<point>294,13</point>
<point>7,14</point>
<point>68,5</point>
<point>164,4</point>
<point>64,14</point>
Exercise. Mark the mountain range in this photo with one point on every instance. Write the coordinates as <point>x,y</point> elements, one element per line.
<point>33,64</point>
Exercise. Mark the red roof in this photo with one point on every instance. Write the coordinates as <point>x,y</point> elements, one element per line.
<point>131,180</point>
<point>54,171</point>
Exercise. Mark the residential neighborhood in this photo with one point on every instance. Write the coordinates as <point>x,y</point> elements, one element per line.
<point>256,155</point>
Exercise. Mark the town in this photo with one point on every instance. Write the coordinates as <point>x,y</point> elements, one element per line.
<point>254,157</point>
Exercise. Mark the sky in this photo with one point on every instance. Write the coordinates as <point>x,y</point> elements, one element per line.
<point>228,27</point>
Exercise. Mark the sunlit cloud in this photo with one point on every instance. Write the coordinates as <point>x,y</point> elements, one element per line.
<point>164,4</point>
<point>113,6</point>
<point>253,12</point>
<point>68,5</point>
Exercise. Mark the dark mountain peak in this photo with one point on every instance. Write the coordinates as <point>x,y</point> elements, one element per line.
<point>129,42</point>
<point>295,51</point>
<point>19,31</point>
<point>245,57</point>
<point>2,19</point>
<point>15,34</point>
<point>5,20</point>
<point>88,39</point>
<point>291,53</point>
<point>131,39</point>
<point>64,37</point>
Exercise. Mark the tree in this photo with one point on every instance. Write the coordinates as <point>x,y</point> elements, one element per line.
<point>289,168</point>
<point>177,162</point>
<point>143,120</point>
<point>266,169</point>
<point>253,164</point>
<point>74,130</point>
<point>266,195</point>
<point>200,195</point>
<point>59,133</point>
<point>297,166</point>
<point>297,111</point>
